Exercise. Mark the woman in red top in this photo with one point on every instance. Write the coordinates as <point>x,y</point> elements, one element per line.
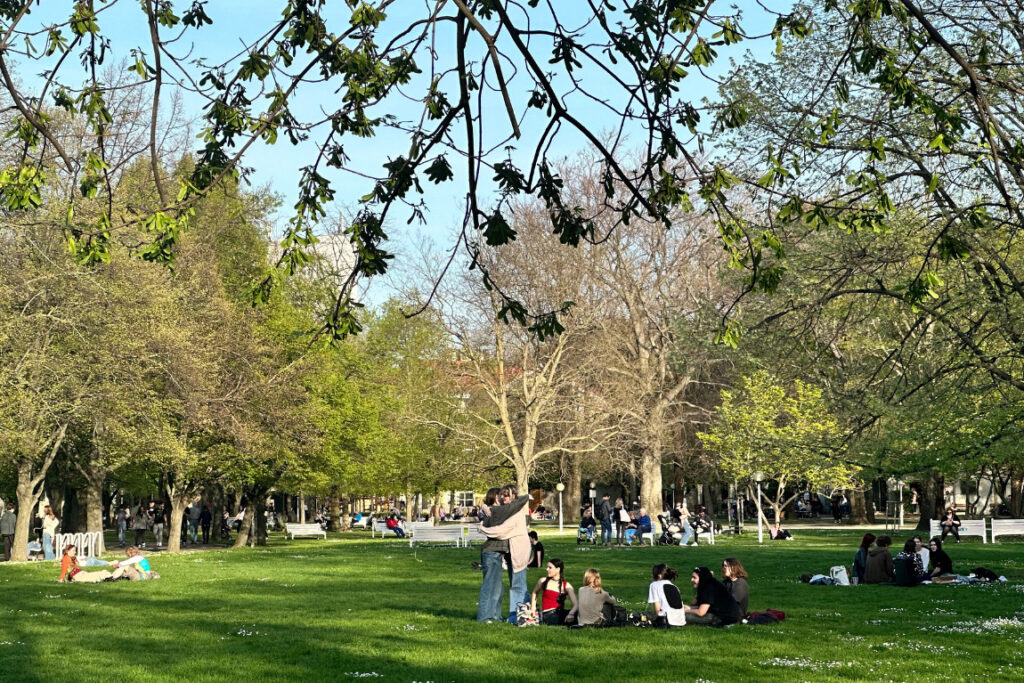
<point>554,589</point>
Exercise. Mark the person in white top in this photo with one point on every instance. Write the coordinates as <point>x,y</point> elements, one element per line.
<point>50,526</point>
<point>663,594</point>
<point>922,550</point>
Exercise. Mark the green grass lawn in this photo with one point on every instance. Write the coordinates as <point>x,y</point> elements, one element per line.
<point>353,607</point>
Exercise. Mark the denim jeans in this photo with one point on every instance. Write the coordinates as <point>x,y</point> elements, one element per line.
<point>120,533</point>
<point>489,604</point>
<point>517,592</point>
<point>158,531</point>
<point>48,547</point>
<point>606,530</point>
<point>92,562</point>
<point>193,530</point>
<point>687,536</point>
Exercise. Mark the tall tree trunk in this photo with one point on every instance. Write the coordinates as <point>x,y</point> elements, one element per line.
<point>345,503</point>
<point>869,504</point>
<point>858,511</point>
<point>435,509</point>
<point>650,478</point>
<point>933,501</point>
<point>178,501</point>
<point>571,496</point>
<point>1016,493</point>
<point>243,531</point>
<point>31,476</point>
<point>335,510</point>
<point>93,495</point>
<point>259,523</point>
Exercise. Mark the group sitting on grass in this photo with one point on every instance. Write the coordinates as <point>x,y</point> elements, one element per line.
<point>913,565</point>
<point>715,603</point>
<point>134,567</point>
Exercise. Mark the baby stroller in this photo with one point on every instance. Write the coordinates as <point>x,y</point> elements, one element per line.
<point>671,532</point>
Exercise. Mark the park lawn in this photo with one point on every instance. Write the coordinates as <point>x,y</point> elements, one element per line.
<point>352,607</point>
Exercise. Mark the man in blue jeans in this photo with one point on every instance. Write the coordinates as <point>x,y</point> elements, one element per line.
<point>604,514</point>
<point>493,552</point>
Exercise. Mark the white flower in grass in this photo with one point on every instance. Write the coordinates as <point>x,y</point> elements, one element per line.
<point>363,674</point>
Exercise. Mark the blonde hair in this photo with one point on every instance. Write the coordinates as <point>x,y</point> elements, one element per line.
<point>618,502</point>
<point>131,551</point>
<point>592,578</point>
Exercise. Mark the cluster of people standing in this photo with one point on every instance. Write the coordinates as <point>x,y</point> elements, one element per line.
<point>155,517</point>
<point>914,564</point>
<point>630,525</point>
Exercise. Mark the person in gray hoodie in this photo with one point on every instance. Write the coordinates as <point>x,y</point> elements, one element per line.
<point>8,522</point>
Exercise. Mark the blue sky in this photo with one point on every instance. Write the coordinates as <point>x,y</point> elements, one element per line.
<point>237,23</point>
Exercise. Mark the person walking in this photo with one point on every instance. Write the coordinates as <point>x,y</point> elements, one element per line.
<point>159,519</point>
<point>50,526</point>
<point>205,520</point>
<point>140,522</point>
<point>122,523</point>
<point>195,512</point>
<point>837,507</point>
<point>604,515</point>
<point>8,523</point>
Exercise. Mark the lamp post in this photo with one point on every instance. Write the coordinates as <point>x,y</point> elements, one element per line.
<point>561,487</point>
<point>593,497</point>
<point>758,477</point>
<point>672,487</point>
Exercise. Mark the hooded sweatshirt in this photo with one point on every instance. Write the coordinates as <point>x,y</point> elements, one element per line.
<point>879,567</point>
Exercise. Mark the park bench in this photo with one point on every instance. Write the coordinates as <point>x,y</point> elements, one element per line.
<point>968,527</point>
<point>89,543</point>
<point>361,524</point>
<point>412,527</point>
<point>378,525</point>
<point>1007,527</point>
<point>294,530</point>
<point>444,534</point>
<point>472,533</point>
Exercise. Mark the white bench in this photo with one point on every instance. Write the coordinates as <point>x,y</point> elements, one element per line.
<point>412,527</point>
<point>708,536</point>
<point>88,544</point>
<point>1007,527</point>
<point>378,525</point>
<point>361,524</point>
<point>472,533</point>
<point>968,527</point>
<point>294,530</point>
<point>444,534</point>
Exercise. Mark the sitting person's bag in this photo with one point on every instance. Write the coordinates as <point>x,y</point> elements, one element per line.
<point>613,615</point>
<point>839,575</point>
<point>762,619</point>
<point>904,569</point>
<point>526,615</point>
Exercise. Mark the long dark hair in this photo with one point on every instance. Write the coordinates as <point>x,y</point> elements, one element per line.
<point>867,541</point>
<point>663,572</point>
<point>561,574</point>
<point>704,576</point>
<point>938,543</point>
<point>491,497</point>
<point>910,546</point>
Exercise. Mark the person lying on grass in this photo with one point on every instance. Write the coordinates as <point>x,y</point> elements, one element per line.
<point>714,605</point>
<point>136,567</point>
<point>72,572</point>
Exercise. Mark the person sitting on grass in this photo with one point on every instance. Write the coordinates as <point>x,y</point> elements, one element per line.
<point>537,559</point>
<point>595,604</point>
<point>734,577</point>
<point>136,567</point>
<point>588,524</point>
<point>713,606</point>
<point>72,572</point>
<point>777,533</point>
<point>879,567</point>
<point>941,563</point>
<point>923,551</point>
<point>663,594</point>
<point>909,570</point>
<point>860,558</point>
<point>553,590</point>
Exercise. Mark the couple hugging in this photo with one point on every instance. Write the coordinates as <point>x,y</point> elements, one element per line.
<point>504,515</point>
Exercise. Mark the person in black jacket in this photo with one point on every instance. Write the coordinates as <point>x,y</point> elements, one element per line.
<point>950,525</point>
<point>604,515</point>
<point>713,606</point>
<point>941,564</point>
